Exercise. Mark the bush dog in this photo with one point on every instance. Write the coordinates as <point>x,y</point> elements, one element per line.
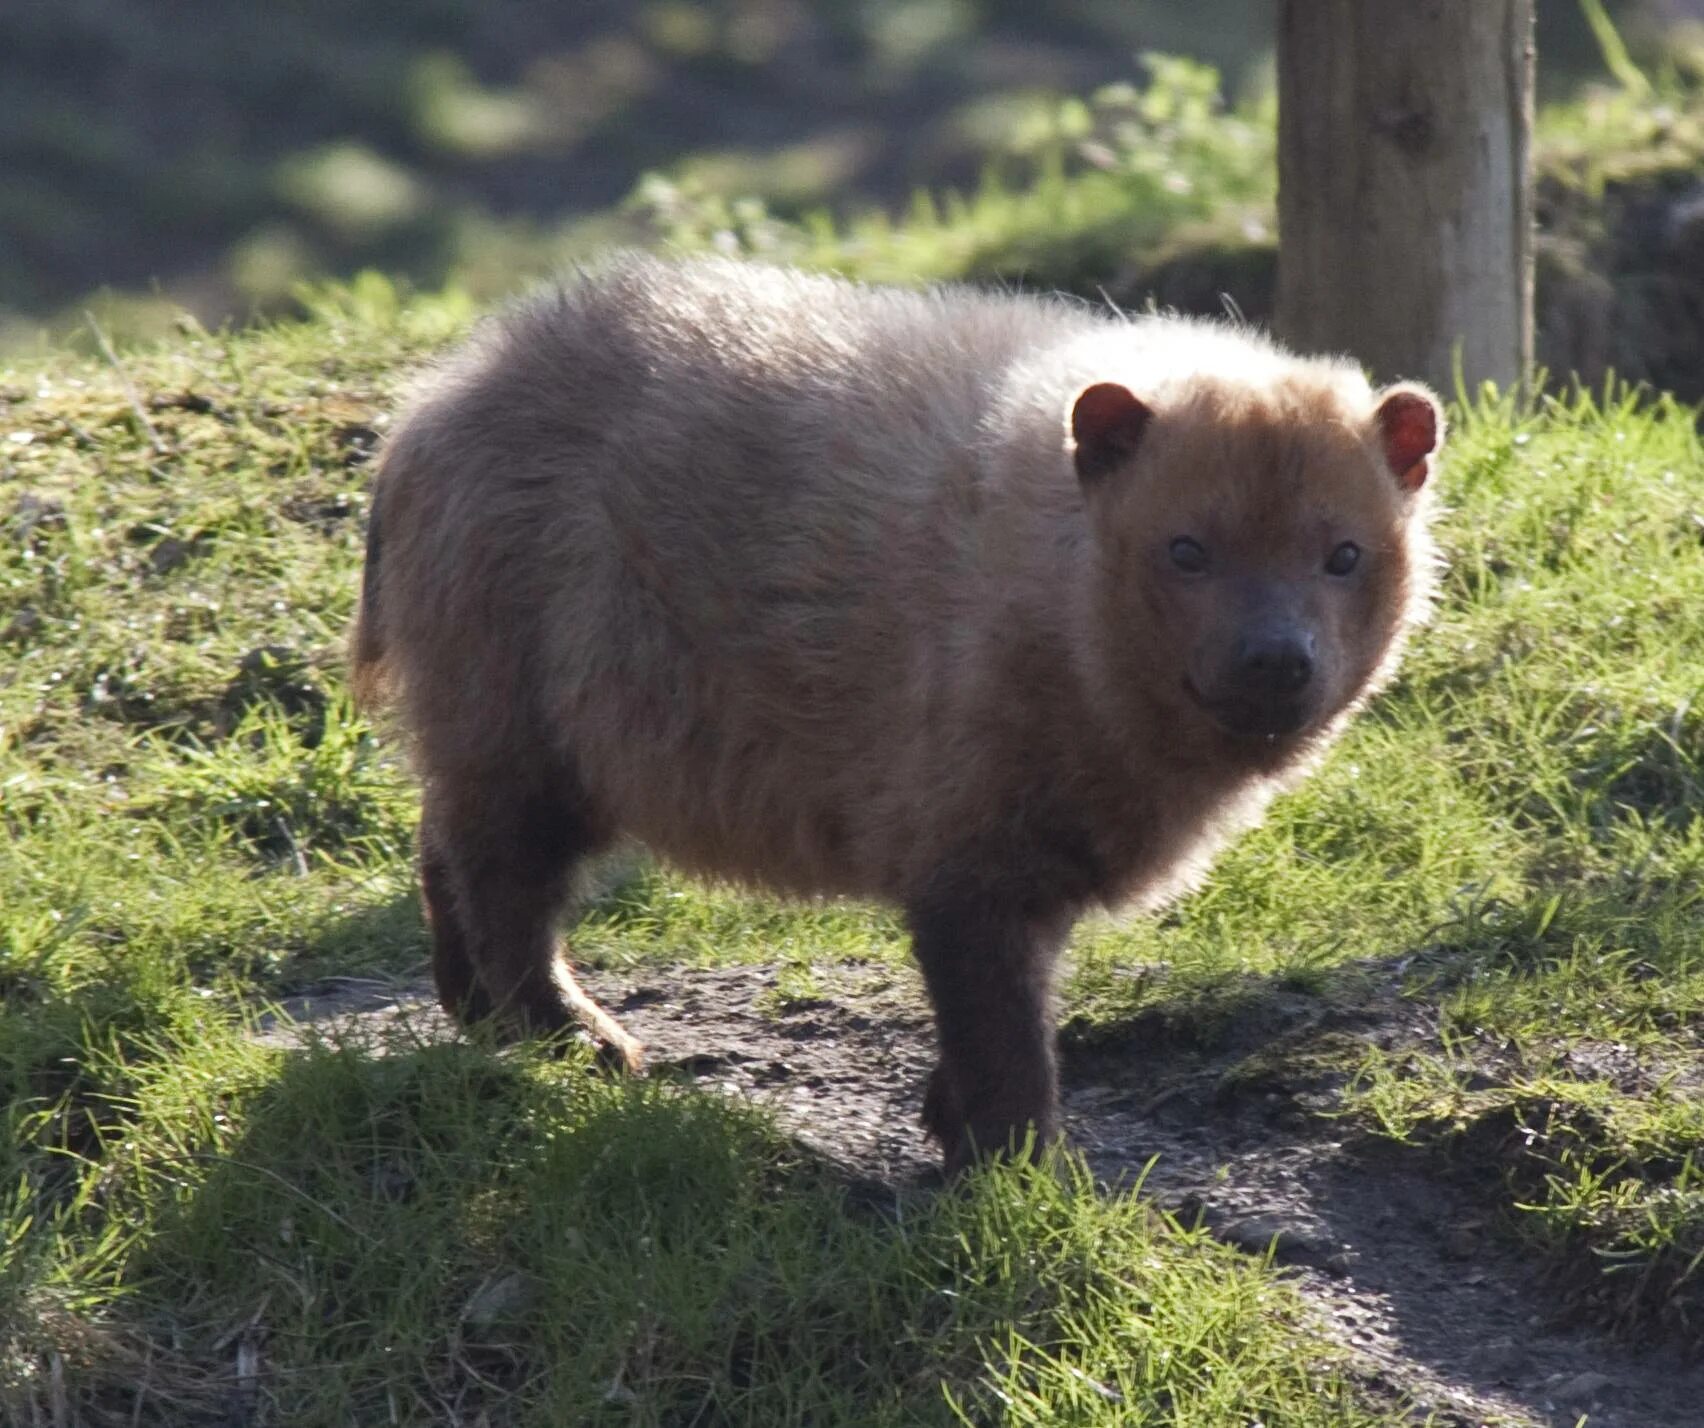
<point>994,606</point>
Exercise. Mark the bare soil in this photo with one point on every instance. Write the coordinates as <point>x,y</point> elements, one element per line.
<point>1401,1263</point>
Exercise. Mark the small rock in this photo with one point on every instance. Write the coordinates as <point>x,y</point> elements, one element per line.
<point>1580,1389</point>
<point>1289,1241</point>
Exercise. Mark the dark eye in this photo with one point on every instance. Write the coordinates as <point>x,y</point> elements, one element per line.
<point>1189,556</point>
<point>1342,560</point>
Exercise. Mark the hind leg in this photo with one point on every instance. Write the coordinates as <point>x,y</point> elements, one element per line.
<point>496,864</point>
<point>459,988</point>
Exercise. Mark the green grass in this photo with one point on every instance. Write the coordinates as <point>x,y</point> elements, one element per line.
<point>444,1230</point>
<point>194,1225</point>
<point>1498,869</point>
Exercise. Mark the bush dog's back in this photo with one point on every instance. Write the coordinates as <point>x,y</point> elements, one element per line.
<point>994,606</point>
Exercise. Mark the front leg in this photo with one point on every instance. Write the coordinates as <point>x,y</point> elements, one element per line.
<point>990,971</point>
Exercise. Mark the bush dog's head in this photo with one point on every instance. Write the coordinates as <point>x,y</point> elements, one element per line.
<point>1262,545</point>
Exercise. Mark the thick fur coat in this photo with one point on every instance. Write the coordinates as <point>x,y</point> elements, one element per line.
<point>993,606</point>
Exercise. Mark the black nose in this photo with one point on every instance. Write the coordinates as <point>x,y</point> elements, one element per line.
<point>1280,664</point>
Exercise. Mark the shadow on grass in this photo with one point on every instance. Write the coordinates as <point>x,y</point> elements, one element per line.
<point>377,940</point>
<point>450,1233</point>
<point>444,1231</point>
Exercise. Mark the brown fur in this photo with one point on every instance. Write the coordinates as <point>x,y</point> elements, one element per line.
<point>839,590</point>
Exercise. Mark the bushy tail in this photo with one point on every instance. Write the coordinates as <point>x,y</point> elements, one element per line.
<point>368,673</point>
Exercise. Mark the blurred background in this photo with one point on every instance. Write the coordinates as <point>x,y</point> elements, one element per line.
<point>159,157</point>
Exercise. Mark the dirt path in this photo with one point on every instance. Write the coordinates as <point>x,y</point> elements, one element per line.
<point>1401,1266</point>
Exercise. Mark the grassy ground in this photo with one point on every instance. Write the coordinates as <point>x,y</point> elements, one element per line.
<point>1498,872</point>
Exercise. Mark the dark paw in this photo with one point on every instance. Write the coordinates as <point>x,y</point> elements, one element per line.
<point>986,1134</point>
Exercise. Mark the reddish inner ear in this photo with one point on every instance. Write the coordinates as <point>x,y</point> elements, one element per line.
<point>1107,422</point>
<point>1409,424</point>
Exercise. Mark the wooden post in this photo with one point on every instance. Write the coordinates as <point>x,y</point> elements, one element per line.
<point>1404,185</point>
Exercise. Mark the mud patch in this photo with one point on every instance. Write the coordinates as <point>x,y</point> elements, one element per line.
<point>842,1068</point>
<point>1399,1264</point>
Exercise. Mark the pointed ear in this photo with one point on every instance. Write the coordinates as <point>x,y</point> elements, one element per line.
<point>1411,429</point>
<point>1107,422</point>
